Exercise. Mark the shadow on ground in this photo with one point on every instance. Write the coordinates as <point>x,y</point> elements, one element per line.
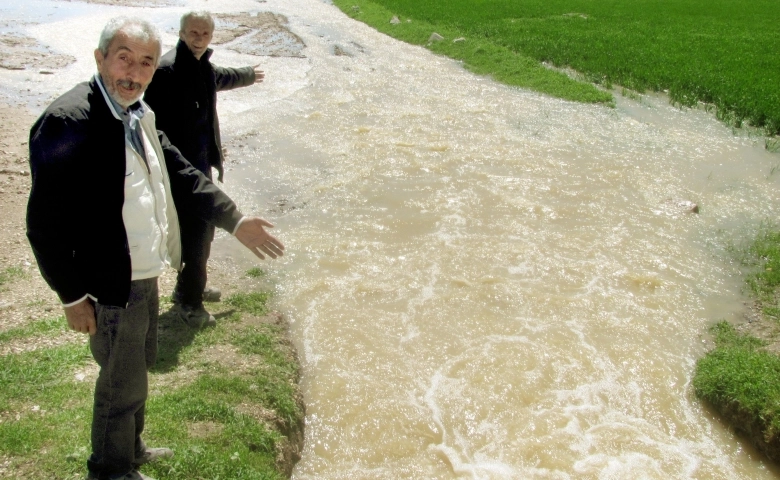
<point>174,336</point>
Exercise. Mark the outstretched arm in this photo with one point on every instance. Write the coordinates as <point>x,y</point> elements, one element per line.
<point>251,232</point>
<point>230,78</point>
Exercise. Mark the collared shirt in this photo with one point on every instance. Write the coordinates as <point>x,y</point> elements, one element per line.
<point>131,118</point>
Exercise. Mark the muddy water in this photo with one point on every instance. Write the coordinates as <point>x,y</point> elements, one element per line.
<point>484,282</point>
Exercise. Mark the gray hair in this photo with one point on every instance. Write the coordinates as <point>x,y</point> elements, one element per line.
<point>200,15</point>
<point>135,28</point>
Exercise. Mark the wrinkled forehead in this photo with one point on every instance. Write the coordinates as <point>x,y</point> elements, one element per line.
<point>198,25</point>
<point>140,45</point>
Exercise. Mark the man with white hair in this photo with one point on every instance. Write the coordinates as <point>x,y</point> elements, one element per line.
<point>183,94</point>
<point>102,219</point>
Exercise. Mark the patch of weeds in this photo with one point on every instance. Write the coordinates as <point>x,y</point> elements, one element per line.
<point>10,274</point>
<point>255,303</point>
<point>743,382</point>
<point>37,328</point>
<point>256,272</point>
<point>631,94</point>
<point>772,144</point>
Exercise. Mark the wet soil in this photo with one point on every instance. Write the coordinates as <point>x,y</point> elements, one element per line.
<point>265,33</point>
<point>24,53</point>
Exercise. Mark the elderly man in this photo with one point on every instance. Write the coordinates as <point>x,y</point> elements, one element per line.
<point>183,94</point>
<point>102,220</point>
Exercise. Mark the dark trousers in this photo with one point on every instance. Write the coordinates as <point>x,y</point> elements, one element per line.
<point>125,347</point>
<point>196,238</point>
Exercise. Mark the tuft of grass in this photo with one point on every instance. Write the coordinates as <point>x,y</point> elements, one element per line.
<point>10,274</point>
<point>256,272</point>
<point>255,303</point>
<point>762,258</point>
<point>479,53</point>
<point>743,382</point>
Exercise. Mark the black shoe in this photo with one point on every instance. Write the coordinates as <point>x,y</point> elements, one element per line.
<point>211,294</point>
<point>195,317</point>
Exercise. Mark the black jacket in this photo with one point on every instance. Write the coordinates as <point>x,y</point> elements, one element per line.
<point>183,94</point>
<point>74,213</point>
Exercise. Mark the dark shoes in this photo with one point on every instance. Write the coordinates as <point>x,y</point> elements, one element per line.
<point>194,316</point>
<point>210,294</point>
<point>149,455</point>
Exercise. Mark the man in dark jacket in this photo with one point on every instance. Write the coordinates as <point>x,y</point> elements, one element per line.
<point>183,94</point>
<point>107,188</point>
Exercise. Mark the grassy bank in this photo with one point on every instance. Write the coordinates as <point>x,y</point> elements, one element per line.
<point>225,399</point>
<point>742,381</point>
<point>721,52</point>
<point>740,377</point>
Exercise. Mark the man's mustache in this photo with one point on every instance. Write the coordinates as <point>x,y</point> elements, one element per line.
<point>129,84</point>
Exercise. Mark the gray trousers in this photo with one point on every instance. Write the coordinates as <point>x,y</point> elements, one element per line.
<point>125,347</point>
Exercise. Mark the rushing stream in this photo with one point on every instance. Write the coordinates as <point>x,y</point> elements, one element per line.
<point>482,282</point>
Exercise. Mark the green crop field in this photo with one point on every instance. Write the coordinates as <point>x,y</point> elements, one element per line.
<point>720,52</point>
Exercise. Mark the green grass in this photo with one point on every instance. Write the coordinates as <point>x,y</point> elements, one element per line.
<point>44,327</point>
<point>480,55</point>
<point>721,52</point>
<point>223,422</point>
<point>255,272</point>
<point>762,260</point>
<point>742,381</point>
<point>255,303</point>
<point>739,377</point>
<point>41,401</point>
<point>236,446</point>
<point>10,274</point>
